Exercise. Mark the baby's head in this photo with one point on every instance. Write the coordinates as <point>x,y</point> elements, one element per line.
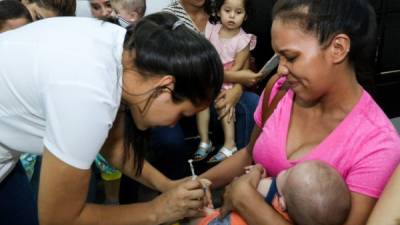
<point>232,13</point>
<point>129,10</point>
<point>314,193</point>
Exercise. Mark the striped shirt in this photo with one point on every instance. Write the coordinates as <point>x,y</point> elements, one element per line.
<point>177,9</point>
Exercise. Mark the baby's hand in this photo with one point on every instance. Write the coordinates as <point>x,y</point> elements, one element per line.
<point>248,169</point>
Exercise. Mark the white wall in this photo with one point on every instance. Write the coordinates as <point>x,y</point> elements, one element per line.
<point>83,8</point>
<point>156,5</point>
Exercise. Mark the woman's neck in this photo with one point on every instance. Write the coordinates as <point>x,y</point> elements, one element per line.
<point>198,15</point>
<point>191,9</point>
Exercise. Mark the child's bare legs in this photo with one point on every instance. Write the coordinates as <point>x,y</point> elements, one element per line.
<point>203,121</point>
<point>229,132</point>
<point>205,146</point>
<point>229,147</point>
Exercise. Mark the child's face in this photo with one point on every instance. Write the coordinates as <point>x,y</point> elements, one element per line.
<point>232,14</point>
<point>101,9</point>
<point>130,16</point>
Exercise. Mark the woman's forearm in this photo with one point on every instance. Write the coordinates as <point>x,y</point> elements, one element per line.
<point>151,177</point>
<point>69,206</point>
<point>257,211</point>
<point>138,213</point>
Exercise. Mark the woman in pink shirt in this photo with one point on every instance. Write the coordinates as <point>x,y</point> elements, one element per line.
<point>324,115</point>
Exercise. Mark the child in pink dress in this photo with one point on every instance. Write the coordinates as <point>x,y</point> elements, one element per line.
<point>233,46</point>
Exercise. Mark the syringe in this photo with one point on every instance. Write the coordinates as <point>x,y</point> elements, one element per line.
<point>194,176</point>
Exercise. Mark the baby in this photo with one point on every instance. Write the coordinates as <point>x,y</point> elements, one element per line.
<point>311,192</point>
<point>128,11</point>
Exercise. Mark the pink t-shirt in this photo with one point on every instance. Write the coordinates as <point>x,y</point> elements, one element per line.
<point>364,148</point>
<point>228,48</point>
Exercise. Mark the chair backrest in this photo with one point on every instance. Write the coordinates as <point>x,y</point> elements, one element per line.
<point>396,123</point>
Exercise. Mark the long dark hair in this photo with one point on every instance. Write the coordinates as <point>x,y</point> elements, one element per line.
<point>326,18</point>
<point>162,46</point>
<point>60,7</point>
<point>12,9</point>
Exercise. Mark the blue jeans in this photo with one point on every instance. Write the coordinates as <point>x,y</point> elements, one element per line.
<point>17,202</point>
<point>244,118</point>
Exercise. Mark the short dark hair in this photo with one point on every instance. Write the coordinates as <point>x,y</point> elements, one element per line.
<point>315,193</point>
<point>12,9</point>
<point>214,6</point>
<point>161,47</point>
<point>60,7</point>
<point>327,18</point>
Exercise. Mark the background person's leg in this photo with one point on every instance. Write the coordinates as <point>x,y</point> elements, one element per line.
<point>203,122</point>
<point>17,202</point>
<point>244,118</point>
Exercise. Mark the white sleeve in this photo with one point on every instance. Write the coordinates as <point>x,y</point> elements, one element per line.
<point>78,118</point>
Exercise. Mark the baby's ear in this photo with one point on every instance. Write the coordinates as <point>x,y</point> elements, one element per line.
<point>282,203</point>
<point>134,16</point>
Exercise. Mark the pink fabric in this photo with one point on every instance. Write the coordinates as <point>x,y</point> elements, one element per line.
<point>364,148</point>
<point>227,48</point>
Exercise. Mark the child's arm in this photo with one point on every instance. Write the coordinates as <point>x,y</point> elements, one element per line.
<point>236,74</point>
<point>240,73</point>
<point>241,59</point>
